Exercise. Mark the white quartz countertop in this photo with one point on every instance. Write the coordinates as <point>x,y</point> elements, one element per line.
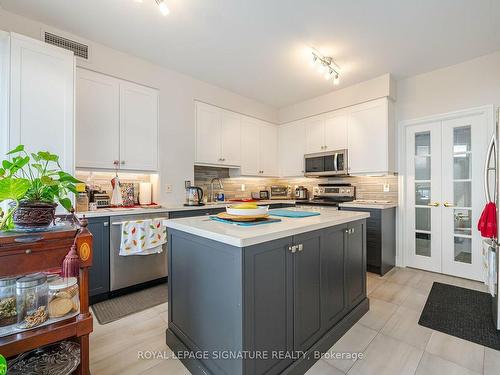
<point>381,205</point>
<point>207,206</point>
<point>102,212</point>
<point>241,236</point>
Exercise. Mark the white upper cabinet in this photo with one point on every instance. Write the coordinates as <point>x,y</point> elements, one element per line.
<point>250,147</point>
<point>371,138</point>
<point>42,98</point>
<point>259,148</point>
<point>138,127</point>
<point>217,136</point>
<point>315,134</point>
<point>97,119</point>
<point>207,134</point>
<point>116,122</point>
<point>292,145</point>
<point>230,138</point>
<point>269,150</point>
<point>326,132</point>
<point>335,130</point>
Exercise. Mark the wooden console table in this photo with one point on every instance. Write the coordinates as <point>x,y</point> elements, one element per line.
<point>34,252</point>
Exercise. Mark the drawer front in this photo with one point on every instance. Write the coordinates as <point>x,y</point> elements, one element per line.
<point>32,258</point>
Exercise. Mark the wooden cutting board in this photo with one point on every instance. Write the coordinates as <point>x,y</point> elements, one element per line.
<point>226,216</point>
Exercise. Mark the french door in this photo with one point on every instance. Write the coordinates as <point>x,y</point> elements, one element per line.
<point>444,193</point>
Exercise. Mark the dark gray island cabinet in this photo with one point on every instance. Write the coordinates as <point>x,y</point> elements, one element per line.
<point>267,308</point>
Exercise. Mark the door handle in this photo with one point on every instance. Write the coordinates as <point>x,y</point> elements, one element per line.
<point>435,204</point>
<point>446,204</point>
<point>492,149</point>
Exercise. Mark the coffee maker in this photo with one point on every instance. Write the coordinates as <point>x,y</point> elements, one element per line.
<point>194,196</point>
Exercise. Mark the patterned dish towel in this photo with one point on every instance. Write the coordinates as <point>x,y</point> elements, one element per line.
<point>143,237</point>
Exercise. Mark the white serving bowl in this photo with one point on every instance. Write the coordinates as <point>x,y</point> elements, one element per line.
<point>260,210</point>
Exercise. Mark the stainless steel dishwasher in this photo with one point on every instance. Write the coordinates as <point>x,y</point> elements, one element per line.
<point>131,270</point>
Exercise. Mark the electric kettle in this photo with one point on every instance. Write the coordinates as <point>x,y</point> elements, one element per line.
<point>194,196</point>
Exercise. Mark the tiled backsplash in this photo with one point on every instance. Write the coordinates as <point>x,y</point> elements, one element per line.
<point>103,179</point>
<point>366,187</point>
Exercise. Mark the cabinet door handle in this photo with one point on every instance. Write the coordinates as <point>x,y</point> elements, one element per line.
<point>28,251</point>
<point>123,162</point>
<point>300,247</point>
<point>435,204</point>
<point>105,224</point>
<point>292,248</point>
<point>446,204</point>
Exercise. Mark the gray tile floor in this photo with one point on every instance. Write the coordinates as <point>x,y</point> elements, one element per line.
<point>391,340</point>
<point>389,337</point>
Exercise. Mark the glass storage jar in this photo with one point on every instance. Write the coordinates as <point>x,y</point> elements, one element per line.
<point>32,300</point>
<point>8,308</point>
<point>64,297</point>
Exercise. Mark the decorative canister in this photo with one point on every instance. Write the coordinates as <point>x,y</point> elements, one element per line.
<point>31,300</point>
<point>63,297</point>
<point>8,308</point>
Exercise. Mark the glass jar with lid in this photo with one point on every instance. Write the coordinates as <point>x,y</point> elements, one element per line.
<point>63,297</point>
<point>8,308</point>
<point>32,300</point>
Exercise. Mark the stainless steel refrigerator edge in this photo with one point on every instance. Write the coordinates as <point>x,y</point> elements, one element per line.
<point>491,168</point>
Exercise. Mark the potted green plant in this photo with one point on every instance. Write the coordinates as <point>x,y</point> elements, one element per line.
<point>33,184</point>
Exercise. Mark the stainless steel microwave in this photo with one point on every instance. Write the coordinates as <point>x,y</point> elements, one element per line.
<point>330,163</point>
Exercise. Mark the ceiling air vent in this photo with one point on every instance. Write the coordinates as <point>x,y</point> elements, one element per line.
<point>79,49</point>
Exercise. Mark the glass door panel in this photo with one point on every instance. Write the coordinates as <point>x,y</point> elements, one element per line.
<point>423,189</point>
<point>464,144</point>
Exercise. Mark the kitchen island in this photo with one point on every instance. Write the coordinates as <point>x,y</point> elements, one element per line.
<point>264,299</point>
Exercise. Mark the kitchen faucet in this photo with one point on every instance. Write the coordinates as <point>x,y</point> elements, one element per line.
<point>221,187</point>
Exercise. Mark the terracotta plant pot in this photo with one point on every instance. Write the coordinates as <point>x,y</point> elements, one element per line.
<point>34,215</point>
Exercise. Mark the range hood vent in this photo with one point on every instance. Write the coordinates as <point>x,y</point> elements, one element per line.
<point>79,49</point>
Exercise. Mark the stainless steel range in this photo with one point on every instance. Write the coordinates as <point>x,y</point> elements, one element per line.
<point>331,195</point>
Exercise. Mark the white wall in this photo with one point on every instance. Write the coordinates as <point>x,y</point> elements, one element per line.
<point>177,95</point>
<point>469,84</point>
<point>375,88</point>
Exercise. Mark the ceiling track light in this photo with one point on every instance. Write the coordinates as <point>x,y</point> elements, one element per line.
<point>326,66</point>
<point>162,6</point>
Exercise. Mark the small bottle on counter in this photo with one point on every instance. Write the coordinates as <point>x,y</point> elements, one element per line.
<point>82,198</point>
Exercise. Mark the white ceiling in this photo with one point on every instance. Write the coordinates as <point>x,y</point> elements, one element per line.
<point>260,48</point>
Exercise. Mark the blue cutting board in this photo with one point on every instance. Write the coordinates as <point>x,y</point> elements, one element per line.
<point>294,214</point>
<point>245,223</point>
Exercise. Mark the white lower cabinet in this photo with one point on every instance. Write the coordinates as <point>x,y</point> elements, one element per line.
<point>116,122</point>
<point>292,145</point>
